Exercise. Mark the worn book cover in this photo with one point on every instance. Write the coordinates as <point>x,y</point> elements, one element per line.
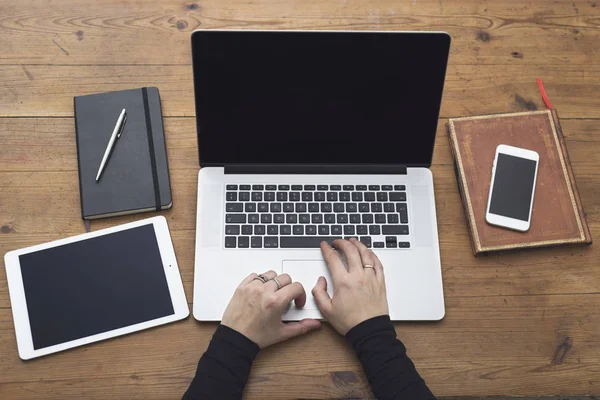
<point>557,217</point>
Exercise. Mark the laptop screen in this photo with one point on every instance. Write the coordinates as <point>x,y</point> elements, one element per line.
<point>318,97</point>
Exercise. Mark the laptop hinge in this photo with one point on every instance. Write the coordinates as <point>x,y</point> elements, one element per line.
<point>320,169</point>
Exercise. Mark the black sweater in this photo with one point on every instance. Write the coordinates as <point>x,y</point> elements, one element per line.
<point>224,368</point>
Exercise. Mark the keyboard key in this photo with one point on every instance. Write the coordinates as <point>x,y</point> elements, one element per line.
<point>235,218</point>
<point>390,241</point>
<point>374,187</point>
<point>323,229</point>
<point>342,218</point>
<point>317,218</point>
<point>386,187</point>
<point>335,187</point>
<point>374,230</point>
<point>275,207</point>
<point>369,196</point>
<point>382,196</point>
<point>244,196</point>
<point>404,217</point>
<point>256,242</point>
<point>349,230</point>
<point>258,187</point>
<point>329,218</point>
<point>394,229</point>
<point>269,196</point>
<point>388,207</point>
<point>311,229</point>
<point>246,229</point>
<point>306,242</point>
<point>332,196</point>
<point>294,196</point>
<point>366,240</point>
<point>253,218</point>
<point>285,230</point>
<point>282,196</point>
<point>266,218</point>
<point>362,230</point>
<point>244,187</point>
<point>309,187</point>
<point>357,196</point>
<point>379,245</point>
<point>250,207</point>
<point>400,207</point>
<point>393,219</point>
<point>355,218</point>
<point>271,187</point>
<point>376,207</point>
<point>313,207</point>
<point>304,218</point>
<point>307,196</point>
<point>296,187</point>
<point>350,237</point>
<point>300,207</point>
<point>243,242</point>
<point>283,187</point>
<point>231,187</point>
<point>231,196</point>
<point>278,218</point>
<point>348,187</point>
<point>272,229</point>
<point>398,196</point>
<point>263,207</point>
<point>319,196</point>
<point>367,218</point>
<point>363,207</point>
<point>326,207</point>
<point>256,196</point>
<point>230,242</point>
<point>404,245</point>
<point>380,218</point>
<point>234,207</point>
<point>361,187</point>
<point>232,229</point>
<point>271,242</point>
<point>298,230</point>
<point>291,219</point>
<point>322,187</point>
<point>399,187</point>
<point>259,229</point>
<point>336,229</point>
<point>344,196</point>
<point>288,207</point>
<point>351,207</point>
<point>338,207</point>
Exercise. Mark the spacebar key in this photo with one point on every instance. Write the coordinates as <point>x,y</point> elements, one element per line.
<point>304,242</point>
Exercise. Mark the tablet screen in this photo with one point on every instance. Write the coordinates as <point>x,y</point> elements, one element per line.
<point>94,286</point>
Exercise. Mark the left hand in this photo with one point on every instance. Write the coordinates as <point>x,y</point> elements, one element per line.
<point>255,309</point>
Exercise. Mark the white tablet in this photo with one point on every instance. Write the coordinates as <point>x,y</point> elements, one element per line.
<point>94,286</point>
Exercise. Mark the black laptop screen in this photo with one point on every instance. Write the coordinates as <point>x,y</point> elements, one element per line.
<point>318,97</point>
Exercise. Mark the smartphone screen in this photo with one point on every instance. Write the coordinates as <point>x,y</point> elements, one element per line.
<point>513,187</point>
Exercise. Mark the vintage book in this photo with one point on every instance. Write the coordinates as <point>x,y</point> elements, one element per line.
<point>557,217</point>
<point>136,175</point>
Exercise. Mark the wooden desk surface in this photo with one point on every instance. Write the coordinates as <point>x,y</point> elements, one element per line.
<point>525,323</point>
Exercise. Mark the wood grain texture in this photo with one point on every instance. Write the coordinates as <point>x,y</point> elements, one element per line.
<point>523,323</point>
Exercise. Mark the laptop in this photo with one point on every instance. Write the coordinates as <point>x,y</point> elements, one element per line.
<point>306,136</point>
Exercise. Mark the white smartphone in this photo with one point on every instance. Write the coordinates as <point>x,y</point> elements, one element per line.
<point>510,200</point>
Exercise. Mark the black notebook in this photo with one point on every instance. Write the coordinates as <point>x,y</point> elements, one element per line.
<point>136,175</point>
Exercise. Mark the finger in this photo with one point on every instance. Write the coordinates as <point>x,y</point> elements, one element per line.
<point>368,258</point>
<point>283,279</point>
<point>334,263</point>
<point>352,256</point>
<point>268,275</point>
<point>293,329</point>
<point>321,296</point>
<point>294,291</point>
<point>249,279</point>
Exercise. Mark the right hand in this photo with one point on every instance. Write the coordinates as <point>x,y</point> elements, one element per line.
<point>359,292</point>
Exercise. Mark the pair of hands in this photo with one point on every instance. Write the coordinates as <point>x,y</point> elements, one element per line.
<point>256,308</point>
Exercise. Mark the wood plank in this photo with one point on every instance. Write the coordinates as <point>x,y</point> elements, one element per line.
<point>37,91</point>
<point>488,346</point>
<point>79,32</point>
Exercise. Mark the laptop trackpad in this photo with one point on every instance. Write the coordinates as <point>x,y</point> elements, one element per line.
<point>307,272</point>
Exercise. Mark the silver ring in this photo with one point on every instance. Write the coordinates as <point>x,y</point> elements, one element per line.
<point>368,266</point>
<point>277,282</point>
<point>261,278</point>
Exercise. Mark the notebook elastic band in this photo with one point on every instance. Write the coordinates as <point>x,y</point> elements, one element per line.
<point>151,147</point>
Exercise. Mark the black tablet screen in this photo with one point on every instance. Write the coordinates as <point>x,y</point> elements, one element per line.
<point>94,286</point>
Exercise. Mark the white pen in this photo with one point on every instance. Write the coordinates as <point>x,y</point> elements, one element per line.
<point>111,143</point>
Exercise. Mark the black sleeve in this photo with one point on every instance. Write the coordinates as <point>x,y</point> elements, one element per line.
<point>224,368</point>
<point>391,373</point>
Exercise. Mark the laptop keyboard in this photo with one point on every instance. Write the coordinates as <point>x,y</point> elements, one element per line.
<point>302,216</point>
